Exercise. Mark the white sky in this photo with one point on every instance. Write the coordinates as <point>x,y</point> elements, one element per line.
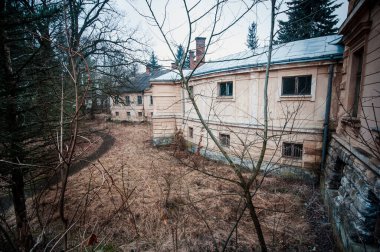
<point>232,41</point>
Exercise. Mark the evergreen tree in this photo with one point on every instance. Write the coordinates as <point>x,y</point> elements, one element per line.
<point>153,62</point>
<point>187,62</point>
<point>180,55</point>
<point>308,19</point>
<point>252,41</point>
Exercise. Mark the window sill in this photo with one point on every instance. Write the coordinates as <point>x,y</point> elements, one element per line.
<point>225,98</point>
<point>296,97</point>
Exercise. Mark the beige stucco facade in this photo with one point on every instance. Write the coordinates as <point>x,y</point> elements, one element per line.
<point>292,119</point>
<point>132,112</point>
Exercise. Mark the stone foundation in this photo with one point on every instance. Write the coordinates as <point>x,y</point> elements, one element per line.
<point>352,194</point>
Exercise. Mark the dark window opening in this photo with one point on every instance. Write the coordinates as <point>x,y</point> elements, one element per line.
<point>191,132</point>
<point>358,64</point>
<point>336,174</point>
<point>151,100</point>
<point>224,140</point>
<point>191,88</point>
<point>151,114</point>
<point>139,100</point>
<point>226,88</point>
<point>292,150</point>
<point>116,100</point>
<point>296,85</point>
<point>140,114</point>
<point>116,113</point>
<point>128,114</point>
<point>127,100</point>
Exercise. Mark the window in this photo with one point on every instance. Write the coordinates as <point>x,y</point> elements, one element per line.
<point>226,88</point>
<point>296,85</point>
<point>129,114</point>
<point>127,100</point>
<point>357,64</point>
<point>151,114</point>
<point>116,113</point>
<point>116,100</point>
<point>151,100</point>
<point>292,150</point>
<point>224,140</point>
<point>140,114</point>
<point>191,132</point>
<point>191,89</point>
<point>139,100</point>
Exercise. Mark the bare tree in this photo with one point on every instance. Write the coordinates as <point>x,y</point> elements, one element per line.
<point>244,182</point>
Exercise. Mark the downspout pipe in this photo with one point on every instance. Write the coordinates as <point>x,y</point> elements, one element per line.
<point>327,116</point>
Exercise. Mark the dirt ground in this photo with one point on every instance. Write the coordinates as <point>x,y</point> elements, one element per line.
<point>130,196</point>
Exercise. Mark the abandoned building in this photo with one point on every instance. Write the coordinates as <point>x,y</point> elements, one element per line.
<point>133,101</point>
<point>228,93</point>
<point>352,170</point>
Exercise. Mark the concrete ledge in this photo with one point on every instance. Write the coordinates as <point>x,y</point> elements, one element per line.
<point>267,168</point>
<point>162,141</point>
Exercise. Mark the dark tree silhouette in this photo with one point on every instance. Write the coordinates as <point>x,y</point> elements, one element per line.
<point>308,19</point>
<point>252,41</point>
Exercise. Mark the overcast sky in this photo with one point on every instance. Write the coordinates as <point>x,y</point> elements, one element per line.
<point>176,26</point>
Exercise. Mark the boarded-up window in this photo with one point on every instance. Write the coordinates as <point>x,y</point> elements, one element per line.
<point>296,85</point>
<point>224,140</point>
<point>292,150</point>
<point>226,88</point>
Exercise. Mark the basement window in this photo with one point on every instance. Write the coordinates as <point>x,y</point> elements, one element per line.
<point>191,132</point>
<point>116,113</point>
<point>140,114</point>
<point>296,85</point>
<point>224,140</point>
<point>226,88</point>
<point>292,150</point>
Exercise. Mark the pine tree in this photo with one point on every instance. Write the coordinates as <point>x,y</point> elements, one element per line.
<point>308,19</point>
<point>252,41</point>
<point>153,62</point>
<point>187,62</point>
<point>180,55</point>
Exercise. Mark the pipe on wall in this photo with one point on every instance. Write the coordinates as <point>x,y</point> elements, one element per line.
<point>327,116</point>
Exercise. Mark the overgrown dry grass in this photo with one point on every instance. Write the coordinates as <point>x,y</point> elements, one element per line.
<point>138,197</point>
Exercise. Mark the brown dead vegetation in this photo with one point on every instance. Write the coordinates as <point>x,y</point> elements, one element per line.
<point>138,197</point>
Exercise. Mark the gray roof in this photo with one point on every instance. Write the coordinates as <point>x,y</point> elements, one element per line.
<point>314,49</point>
<point>172,75</point>
<point>140,82</point>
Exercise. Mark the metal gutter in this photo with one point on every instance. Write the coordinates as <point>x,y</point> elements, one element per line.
<point>327,116</point>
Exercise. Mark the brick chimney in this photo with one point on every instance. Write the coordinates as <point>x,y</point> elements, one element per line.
<point>192,60</point>
<point>147,69</point>
<point>200,46</point>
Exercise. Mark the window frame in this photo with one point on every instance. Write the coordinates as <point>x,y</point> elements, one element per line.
<point>222,137</point>
<point>191,132</point>
<point>140,114</point>
<point>140,98</point>
<point>296,84</point>
<point>128,114</point>
<point>293,146</point>
<point>117,113</point>
<point>127,100</point>
<point>220,95</point>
